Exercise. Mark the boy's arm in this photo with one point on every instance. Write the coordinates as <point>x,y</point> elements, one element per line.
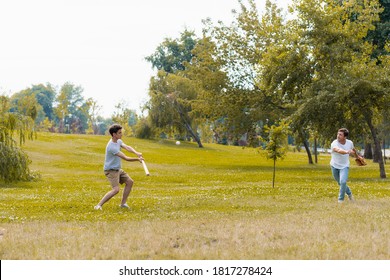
<point>131,149</point>
<point>123,156</point>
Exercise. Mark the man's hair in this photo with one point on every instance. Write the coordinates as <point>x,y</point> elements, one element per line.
<point>345,131</point>
<point>114,128</point>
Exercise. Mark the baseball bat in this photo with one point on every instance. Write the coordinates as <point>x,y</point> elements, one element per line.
<point>145,168</point>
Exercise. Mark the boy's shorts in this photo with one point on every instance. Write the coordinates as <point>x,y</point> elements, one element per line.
<point>116,177</point>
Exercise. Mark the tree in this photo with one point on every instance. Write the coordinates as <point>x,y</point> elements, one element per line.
<point>284,72</point>
<point>71,110</point>
<point>143,129</point>
<point>13,161</point>
<point>209,107</point>
<point>219,103</point>
<point>236,50</point>
<point>380,35</point>
<point>276,143</point>
<point>323,66</point>
<point>45,95</point>
<point>92,111</point>
<point>36,102</point>
<point>126,117</point>
<point>346,77</point>
<point>170,91</point>
<point>170,103</point>
<point>171,55</point>
<point>26,104</point>
<point>240,48</point>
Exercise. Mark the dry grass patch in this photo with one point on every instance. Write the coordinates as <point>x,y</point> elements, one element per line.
<point>331,231</point>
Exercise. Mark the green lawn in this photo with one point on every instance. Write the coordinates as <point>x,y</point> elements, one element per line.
<point>211,203</point>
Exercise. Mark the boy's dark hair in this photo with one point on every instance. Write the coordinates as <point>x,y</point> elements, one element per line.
<point>114,128</point>
<point>345,131</point>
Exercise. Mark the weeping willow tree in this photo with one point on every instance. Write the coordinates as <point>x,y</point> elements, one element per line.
<point>14,130</point>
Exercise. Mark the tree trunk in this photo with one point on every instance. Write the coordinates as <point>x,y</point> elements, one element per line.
<point>377,148</point>
<point>193,134</point>
<point>368,151</point>
<point>216,136</point>
<point>307,148</point>
<point>376,155</point>
<point>384,151</point>
<point>187,125</point>
<point>315,150</point>
<point>306,145</point>
<point>273,177</point>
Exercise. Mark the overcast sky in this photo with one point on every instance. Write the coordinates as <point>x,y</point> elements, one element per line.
<point>99,45</point>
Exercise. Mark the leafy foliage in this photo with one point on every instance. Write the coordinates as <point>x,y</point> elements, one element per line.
<point>13,161</point>
<point>14,164</point>
<point>126,117</point>
<point>237,50</point>
<point>171,91</point>
<point>171,55</point>
<point>381,34</point>
<point>276,143</point>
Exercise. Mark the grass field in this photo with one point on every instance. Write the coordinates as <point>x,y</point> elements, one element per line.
<point>211,203</point>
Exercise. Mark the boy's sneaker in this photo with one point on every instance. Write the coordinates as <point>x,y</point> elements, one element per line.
<point>340,201</point>
<point>350,196</point>
<point>124,206</point>
<point>98,207</point>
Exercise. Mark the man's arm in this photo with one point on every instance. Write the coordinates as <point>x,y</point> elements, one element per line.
<point>342,151</point>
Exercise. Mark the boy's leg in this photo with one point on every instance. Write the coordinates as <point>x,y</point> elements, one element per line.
<point>109,195</point>
<point>126,191</point>
<point>113,178</point>
<point>125,178</point>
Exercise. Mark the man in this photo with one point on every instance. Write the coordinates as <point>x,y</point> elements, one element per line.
<point>341,148</point>
<point>112,167</point>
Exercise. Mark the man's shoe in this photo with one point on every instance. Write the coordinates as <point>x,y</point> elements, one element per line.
<point>98,207</point>
<point>124,206</point>
<point>350,196</point>
<point>340,201</point>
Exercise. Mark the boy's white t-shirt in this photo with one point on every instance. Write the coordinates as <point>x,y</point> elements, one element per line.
<point>338,160</point>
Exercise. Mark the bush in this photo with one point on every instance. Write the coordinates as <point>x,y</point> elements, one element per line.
<point>13,161</point>
<point>14,165</point>
<point>143,129</point>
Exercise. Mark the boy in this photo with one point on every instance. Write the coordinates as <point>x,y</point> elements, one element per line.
<point>112,167</point>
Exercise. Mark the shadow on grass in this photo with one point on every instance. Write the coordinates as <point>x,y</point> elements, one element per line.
<point>263,167</point>
<point>369,180</point>
<point>16,185</point>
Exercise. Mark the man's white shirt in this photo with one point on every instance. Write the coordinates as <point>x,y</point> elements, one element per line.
<point>338,160</point>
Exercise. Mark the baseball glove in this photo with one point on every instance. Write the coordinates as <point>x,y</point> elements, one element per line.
<point>360,161</point>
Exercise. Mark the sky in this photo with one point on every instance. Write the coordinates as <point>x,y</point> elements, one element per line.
<point>99,45</point>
